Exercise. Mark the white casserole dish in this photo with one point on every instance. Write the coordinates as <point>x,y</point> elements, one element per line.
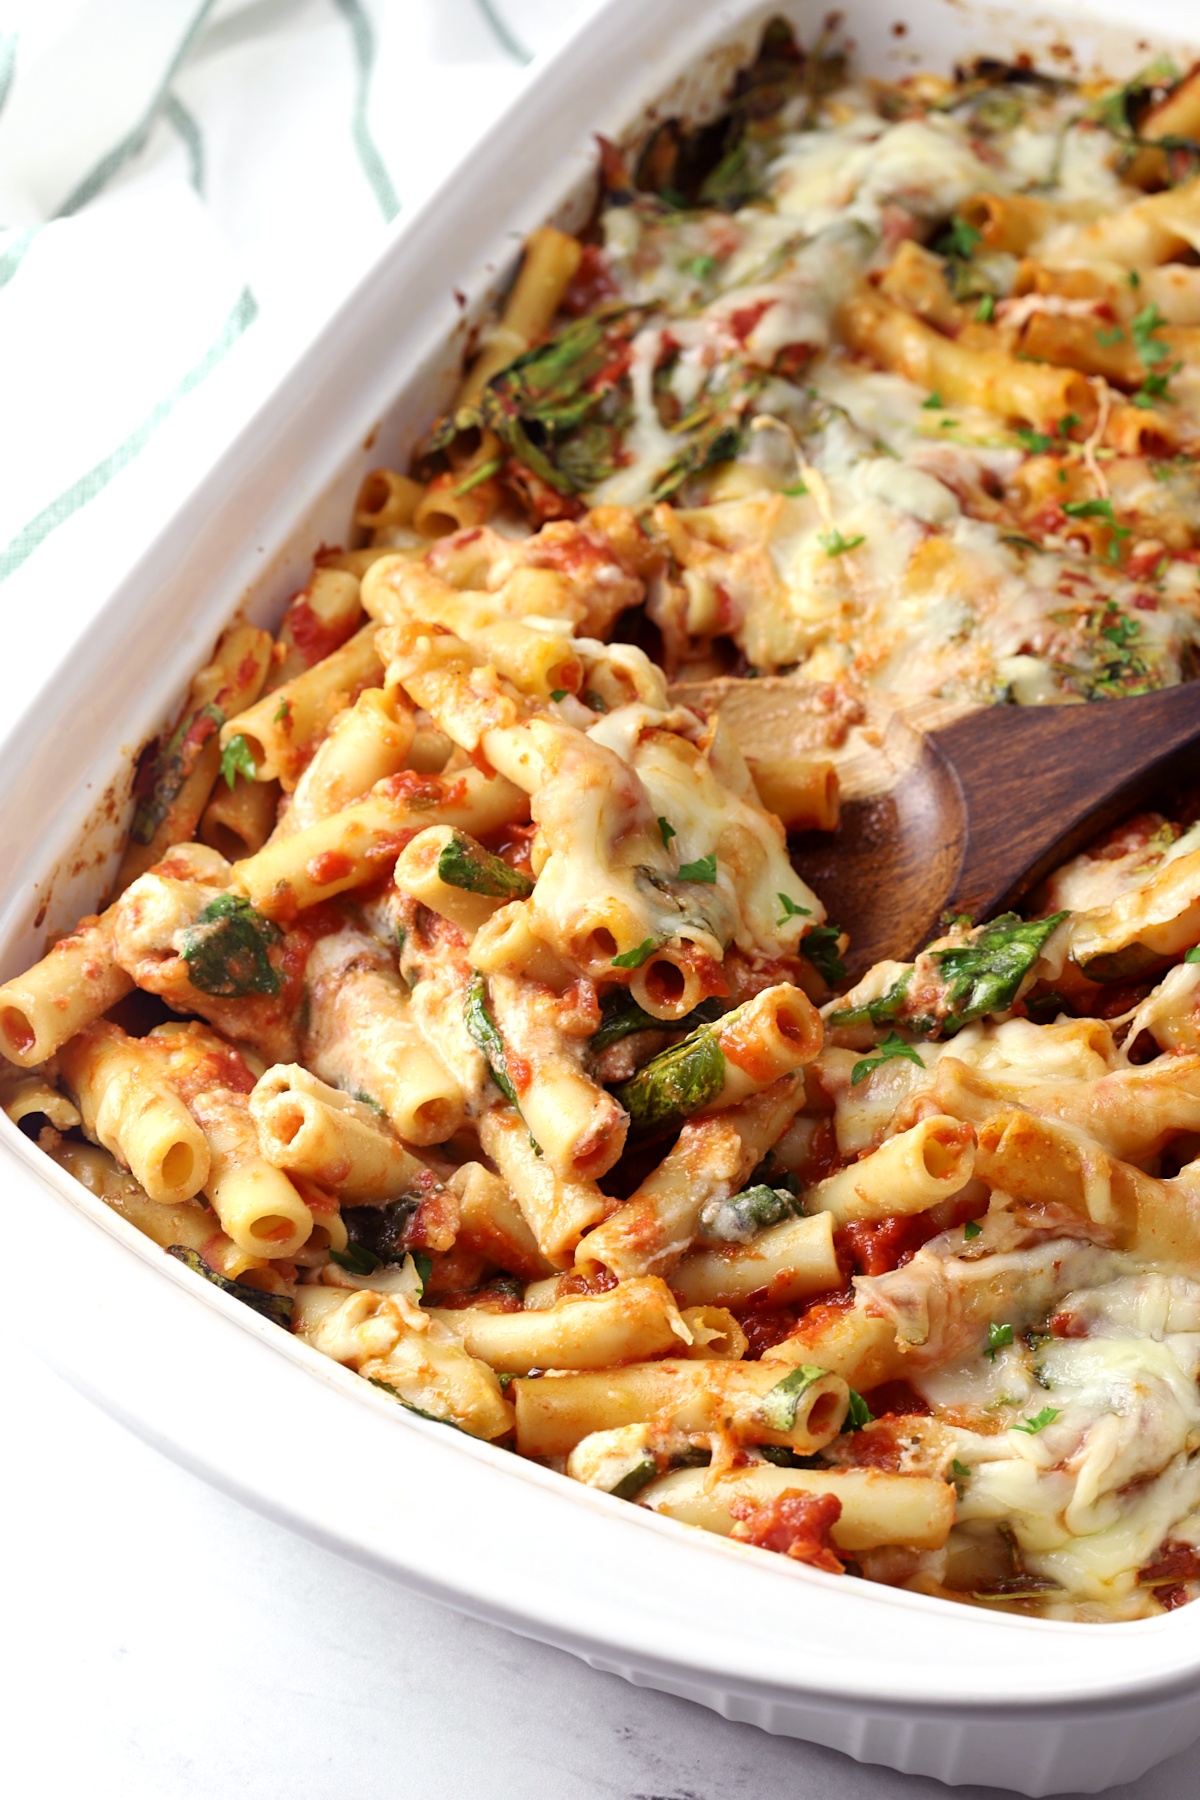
<point>890,1677</point>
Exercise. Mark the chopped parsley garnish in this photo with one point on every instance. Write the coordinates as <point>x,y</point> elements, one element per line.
<point>704,869</point>
<point>1088,509</point>
<point>960,239</point>
<point>667,832</point>
<point>820,945</point>
<point>633,959</point>
<point>972,1229</point>
<point>557,694</point>
<point>1134,279</point>
<point>986,309</point>
<point>1038,1422</point>
<point>791,910</point>
<point>892,1046</point>
<point>1155,387</point>
<point>1036,442</point>
<point>960,1470</point>
<point>796,490</point>
<point>834,544</point>
<point>1120,630</point>
<point>998,1337</point>
<point>1112,335</point>
<point>236,760</point>
<point>702,267</point>
<point>1142,327</point>
<point>282,713</point>
<point>1100,509</point>
<point>1193,955</point>
<point>933,402</point>
<point>1067,424</point>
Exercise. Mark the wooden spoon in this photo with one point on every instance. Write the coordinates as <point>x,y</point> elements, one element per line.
<point>954,808</point>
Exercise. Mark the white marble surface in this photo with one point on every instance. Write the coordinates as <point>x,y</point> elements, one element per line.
<point>168,1644</point>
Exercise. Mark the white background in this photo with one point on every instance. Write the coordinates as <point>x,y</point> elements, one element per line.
<point>165,1643</point>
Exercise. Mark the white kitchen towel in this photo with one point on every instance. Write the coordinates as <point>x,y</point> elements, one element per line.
<point>187,189</point>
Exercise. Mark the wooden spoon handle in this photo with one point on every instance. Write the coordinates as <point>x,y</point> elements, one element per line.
<point>1038,782</point>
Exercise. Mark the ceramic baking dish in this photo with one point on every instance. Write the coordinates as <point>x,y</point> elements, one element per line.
<point>963,1694</point>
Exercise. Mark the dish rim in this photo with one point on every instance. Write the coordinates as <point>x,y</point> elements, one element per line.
<point>35,750</point>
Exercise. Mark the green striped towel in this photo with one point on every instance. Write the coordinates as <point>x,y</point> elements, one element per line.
<point>187,189</point>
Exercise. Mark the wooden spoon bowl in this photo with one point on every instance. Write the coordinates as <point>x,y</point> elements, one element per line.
<point>947,808</point>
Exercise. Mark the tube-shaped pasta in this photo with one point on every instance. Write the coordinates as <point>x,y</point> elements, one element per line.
<point>859,1345</point>
<point>1141,928</point>
<point>751,1402</point>
<point>386,501</point>
<point>1082,345</point>
<point>412,1357</point>
<point>787,1262</point>
<point>130,1108</point>
<point>455,876</point>
<point>319,619</point>
<point>257,1205</point>
<point>355,562</point>
<point>908,1173</point>
<point>461,499</point>
<point>916,278</point>
<point>356,845</point>
<point>557,1208</point>
<point>362,1037</point>
<point>1131,1113</point>
<point>1174,288</point>
<point>508,944</point>
<point>877,1508</point>
<point>670,983</point>
<point>1036,1161</point>
<point>32,1097</point>
<point>238,820</point>
<point>1175,116</point>
<point>802,792</point>
<point>1036,394</point>
<point>493,1225</point>
<point>711,1160</point>
<point>368,742</point>
<point>1143,431</point>
<point>715,1332</point>
<point>309,1128</point>
<point>282,729</point>
<point>1154,230</point>
<point>722,1064</point>
<point>536,658</point>
<point>179,781</point>
<point>551,259</point>
<point>577,1125</point>
<point>630,1323</point>
<point>187,1222</point>
<point>75,982</point>
<point>1011,222</point>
